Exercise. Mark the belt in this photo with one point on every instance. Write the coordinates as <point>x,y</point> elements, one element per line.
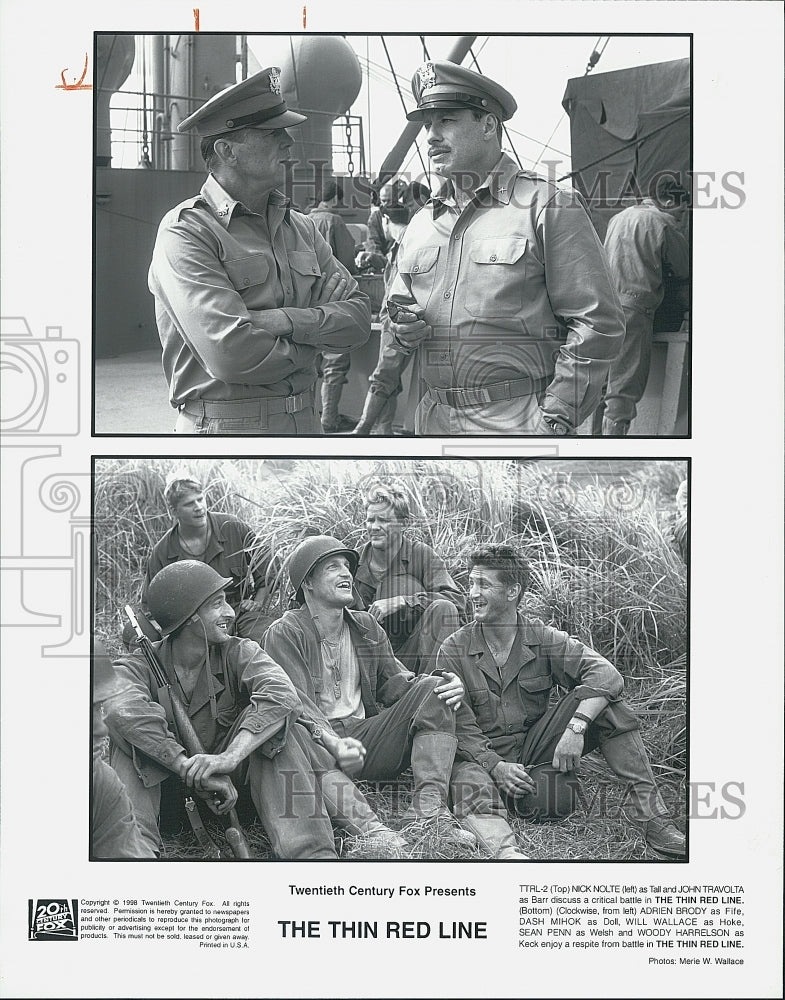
<point>259,407</point>
<point>493,393</point>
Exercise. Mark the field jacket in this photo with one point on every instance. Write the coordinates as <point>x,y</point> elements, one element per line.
<point>417,574</point>
<point>294,642</point>
<point>251,692</point>
<point>502,705</point>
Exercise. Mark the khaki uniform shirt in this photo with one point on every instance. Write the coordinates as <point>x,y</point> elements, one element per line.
<point>217,269</point>
<point>517,284</point>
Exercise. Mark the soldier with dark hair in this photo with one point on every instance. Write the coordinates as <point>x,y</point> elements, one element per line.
<point>516,749</point>
<point>252,724</point>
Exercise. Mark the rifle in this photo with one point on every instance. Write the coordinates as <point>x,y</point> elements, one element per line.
<point>189,738</point>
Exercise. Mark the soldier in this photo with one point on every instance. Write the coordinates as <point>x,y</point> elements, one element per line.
<point>404,584</point>
<point>252,724</point>
<point>502,286</point>
<point>645,246</point>
<point>341,660</point>
<point>247,292</point>
<point>517,750</point>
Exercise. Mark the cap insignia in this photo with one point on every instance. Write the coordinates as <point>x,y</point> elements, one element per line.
<point>275,82</point>
<point>427,73</point>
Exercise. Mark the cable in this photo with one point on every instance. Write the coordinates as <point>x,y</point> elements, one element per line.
<point>403,103</point>
<point>504,127</point>
<point>594,58</point>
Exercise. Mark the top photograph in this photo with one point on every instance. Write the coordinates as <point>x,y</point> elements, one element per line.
<point>392,235</point>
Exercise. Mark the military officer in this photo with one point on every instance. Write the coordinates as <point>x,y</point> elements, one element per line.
<point>247,292</point>
<point>502,286</point>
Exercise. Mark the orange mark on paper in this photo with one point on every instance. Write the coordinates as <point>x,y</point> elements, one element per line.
<point>77,84</point>
<point>304,16</point>
<point>196,18</point>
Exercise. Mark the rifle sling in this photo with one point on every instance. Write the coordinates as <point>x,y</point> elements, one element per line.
<point>207,843</point>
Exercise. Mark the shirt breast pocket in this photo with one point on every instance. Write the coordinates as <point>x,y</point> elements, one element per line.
<point>481,704</point>
<point>245,272</point>
<point>419,268</point>
<point>304,266</point>
<point>535,694</point>
<point>496,276</point>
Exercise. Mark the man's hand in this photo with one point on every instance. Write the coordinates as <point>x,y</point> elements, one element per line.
<point>249,605</point>
<point>386,606</point>
<point>197,771</point>
<point>512,778</point>
<point>219,794</point>
<point>331,287</point>
<point>451,690</point>
<point>409,329</point>
<point>348,752</point>
<point>568,751</point>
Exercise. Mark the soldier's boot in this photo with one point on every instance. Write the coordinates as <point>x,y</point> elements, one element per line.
<point>374,404</point>
<point>348,808</point>
<point>383,427</point>
<point>615,428</point>
<point>626,756</point>
<point>331,397</point>
<point>494,835</point>
<point>432,759</point>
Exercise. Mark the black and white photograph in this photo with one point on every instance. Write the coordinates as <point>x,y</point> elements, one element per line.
<point>359,235</point>
<point>390,659</point>
<point>483,697</point>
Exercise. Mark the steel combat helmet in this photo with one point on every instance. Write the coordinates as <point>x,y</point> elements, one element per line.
<point>309,552</point>
<point>180,589</point>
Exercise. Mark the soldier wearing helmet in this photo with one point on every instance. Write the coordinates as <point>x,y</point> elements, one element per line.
<point>342,662</point>
<point>253,726</point>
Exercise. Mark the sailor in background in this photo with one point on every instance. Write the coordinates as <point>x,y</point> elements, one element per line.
<point>247,292</point>
<point>502,285</point>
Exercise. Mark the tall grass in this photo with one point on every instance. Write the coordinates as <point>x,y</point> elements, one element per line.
<point>597,534</point>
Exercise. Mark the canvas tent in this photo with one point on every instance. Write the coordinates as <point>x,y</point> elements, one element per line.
<point>626,127</point>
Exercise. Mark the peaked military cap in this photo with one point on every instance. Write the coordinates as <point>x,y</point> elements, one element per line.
<point>446,85</point>
<point>255,102</point>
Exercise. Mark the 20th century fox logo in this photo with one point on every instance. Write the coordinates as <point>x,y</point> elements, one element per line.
<point>52,920</point>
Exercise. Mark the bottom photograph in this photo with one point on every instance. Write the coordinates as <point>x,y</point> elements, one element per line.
<point>458,660</point>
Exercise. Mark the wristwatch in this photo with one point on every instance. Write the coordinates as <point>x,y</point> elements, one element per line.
<point>577,726</point>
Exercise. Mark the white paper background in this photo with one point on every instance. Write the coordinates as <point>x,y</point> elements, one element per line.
<point>736,655</point>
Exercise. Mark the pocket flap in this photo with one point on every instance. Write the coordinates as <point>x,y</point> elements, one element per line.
<point>418,261</point>
<point>542,682</point>
<point>498,250</point>
<point>304,262</point>
<point>247,271</point>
